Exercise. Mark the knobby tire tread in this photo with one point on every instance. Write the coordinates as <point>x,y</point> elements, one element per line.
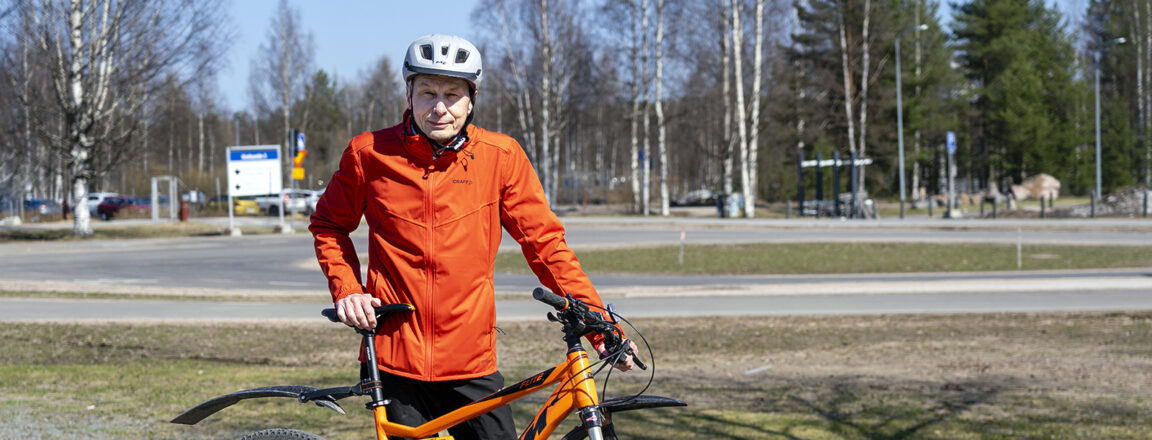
<point>281,434</point>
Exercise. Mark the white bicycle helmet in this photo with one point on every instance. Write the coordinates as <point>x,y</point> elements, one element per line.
<point>445,55</point>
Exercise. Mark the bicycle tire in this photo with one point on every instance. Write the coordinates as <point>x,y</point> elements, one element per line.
<point>281,434</point>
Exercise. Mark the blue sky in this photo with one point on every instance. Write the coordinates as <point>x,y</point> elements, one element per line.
<point>350,35</point>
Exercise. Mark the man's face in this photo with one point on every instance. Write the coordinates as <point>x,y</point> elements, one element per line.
<point>440,105</point>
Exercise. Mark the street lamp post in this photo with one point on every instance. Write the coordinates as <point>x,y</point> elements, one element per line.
<point>1120,40</point>
<point>900,115</point>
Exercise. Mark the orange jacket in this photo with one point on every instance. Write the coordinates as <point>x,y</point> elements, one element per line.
<point>434,229</point>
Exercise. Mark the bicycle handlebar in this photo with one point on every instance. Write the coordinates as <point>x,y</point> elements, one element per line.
<point>381,311</point>
<point>582,320</point>
<point>556,301</point>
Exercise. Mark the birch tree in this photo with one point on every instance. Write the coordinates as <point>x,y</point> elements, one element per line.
<point>281,68</point>
<point>741,122</point>
<point>661,140</point>
<point>101,57</point>
<point>865,71</point>
<point>638,84</point>
<point>728,141</point>
<point>754,141</point>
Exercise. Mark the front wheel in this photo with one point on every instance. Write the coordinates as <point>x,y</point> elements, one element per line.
<point>281,434</point>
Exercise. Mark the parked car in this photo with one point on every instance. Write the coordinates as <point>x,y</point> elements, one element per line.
<point>96,198</point>
<point>41,206</point>
<point>312,196</point>
<point>119,205</point>
<point>291,200</point>
<point>244,206</point>
<point>700,197</point>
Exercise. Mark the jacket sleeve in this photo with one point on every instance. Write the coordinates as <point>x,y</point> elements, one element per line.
<point>338,213</point>
<point>525,214</point>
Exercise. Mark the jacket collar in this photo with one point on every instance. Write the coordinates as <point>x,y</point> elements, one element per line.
<point>420,146</point>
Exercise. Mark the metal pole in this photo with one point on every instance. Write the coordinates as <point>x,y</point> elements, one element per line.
<point>900,125</point>
<point>836,182</point>
<point>852,210</point>
<point>819,183</point>
<point>800,183</point>
<point>1097,57</point>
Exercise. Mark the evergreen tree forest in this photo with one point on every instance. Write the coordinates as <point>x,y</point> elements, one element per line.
<point>633,103</point>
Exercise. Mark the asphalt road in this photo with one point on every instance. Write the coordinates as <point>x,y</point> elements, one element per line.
<point>271,264</point>
<point>12,309</point>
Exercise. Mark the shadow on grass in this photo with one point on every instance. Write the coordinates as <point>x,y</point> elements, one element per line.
<point>840,407</point>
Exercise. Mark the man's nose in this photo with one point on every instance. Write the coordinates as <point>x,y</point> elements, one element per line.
<point>440,107</point>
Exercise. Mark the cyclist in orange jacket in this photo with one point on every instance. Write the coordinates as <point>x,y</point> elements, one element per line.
<point>435,191</point>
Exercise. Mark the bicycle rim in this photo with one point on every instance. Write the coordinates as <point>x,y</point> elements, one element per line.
<point>281,434</point>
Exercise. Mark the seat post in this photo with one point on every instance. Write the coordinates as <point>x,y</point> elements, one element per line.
<point>373,369</point>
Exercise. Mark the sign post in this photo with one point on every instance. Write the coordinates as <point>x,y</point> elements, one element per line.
<point>951,147</point>
<point>298,151</point>
<point>252,170</point>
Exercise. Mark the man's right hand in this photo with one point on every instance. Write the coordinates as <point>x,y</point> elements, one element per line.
<point>357,311</point>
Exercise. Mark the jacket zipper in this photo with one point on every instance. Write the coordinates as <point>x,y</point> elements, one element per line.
<point>429,323</point>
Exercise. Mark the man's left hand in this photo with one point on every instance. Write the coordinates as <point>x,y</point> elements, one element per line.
<point>626,363</point>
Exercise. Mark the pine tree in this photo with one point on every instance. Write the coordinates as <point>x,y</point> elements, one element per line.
<point>1021,62</point>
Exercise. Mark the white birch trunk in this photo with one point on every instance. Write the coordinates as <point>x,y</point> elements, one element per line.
<point>846,71</point>
<point>634,161</point>
<point>546,104</point>
<point>521,98</point>
<point>865,69</point>
<point>726,153</point>
<point>916,93</point>
<point>81,225</point>
<point>287,91</point>
<point>646,183</point>
<point>754,140</point>
<point>664,202</point>
<point>741,116</point>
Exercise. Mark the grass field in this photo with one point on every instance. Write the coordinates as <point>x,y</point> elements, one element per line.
<point>816,258</point>
<point>994,376</point>
<point>113,232</point>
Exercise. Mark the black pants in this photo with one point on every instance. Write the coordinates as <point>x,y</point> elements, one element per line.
<point>414,402</point>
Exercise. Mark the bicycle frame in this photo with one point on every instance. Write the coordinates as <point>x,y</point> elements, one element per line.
<point>577,390</point>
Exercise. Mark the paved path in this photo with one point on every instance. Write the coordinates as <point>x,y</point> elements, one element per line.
<point>176,311</point>
<point>270,265</point>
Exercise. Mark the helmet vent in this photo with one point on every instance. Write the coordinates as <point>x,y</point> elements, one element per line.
<point>426,51</point>
<point>461,56</point>
<point>444,51</point>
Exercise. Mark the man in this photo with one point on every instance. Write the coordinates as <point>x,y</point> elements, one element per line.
<point>435,191</point>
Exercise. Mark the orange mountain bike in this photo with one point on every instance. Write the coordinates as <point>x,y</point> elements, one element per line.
<point>575,375</point>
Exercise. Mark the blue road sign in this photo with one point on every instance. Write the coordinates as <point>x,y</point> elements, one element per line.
<point>300,141</point>
<point>951,142</point>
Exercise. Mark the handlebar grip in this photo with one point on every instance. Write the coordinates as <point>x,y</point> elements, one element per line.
<point>330,313</point>
<point>556,301</point>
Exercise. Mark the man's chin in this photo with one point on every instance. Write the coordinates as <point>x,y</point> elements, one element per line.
<point>441,136</point>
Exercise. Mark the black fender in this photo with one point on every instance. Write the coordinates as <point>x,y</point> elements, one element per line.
<point>619,404</point>
<point>211,406</point>
<point>629,403</point>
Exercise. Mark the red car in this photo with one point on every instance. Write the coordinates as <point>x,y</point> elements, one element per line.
<point>113,206</point>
